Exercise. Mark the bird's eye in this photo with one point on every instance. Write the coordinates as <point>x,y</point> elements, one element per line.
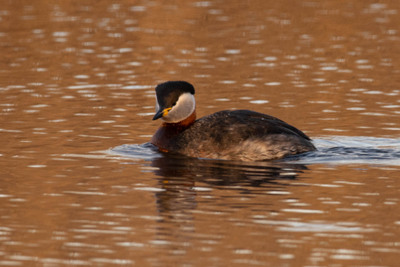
<point>174,104</point>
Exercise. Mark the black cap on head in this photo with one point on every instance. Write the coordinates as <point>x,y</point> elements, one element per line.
<point>169,92</point>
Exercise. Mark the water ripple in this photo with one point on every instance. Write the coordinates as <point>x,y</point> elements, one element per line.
<point>354,150</point>
<point>330,150</point>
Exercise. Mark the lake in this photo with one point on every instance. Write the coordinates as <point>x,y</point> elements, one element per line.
<point>80,186</point>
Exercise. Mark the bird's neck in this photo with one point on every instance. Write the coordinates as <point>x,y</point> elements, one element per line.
<point>168,131</point>
<point>182,124</point>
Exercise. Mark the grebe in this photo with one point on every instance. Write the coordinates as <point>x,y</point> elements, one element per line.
<point>231,135</point>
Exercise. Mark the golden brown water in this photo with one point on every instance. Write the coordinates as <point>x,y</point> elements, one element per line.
<point>77,187</point>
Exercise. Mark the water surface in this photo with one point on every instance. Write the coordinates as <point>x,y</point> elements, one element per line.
<point>78,187</point>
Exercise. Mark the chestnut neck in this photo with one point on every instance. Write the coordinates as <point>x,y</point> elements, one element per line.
<point>166,133</point>
<point>182,124</point>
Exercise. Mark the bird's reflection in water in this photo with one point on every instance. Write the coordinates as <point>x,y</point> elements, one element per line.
<point>180,177</point>
<point>188,187</point>
<point>183,179</point>
<point>220,173</point>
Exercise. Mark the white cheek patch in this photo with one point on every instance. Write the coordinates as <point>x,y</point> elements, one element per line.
<point>183,108</point>
<point>157,105</point>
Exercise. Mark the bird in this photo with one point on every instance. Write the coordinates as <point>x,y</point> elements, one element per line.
<point>236,135</point>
